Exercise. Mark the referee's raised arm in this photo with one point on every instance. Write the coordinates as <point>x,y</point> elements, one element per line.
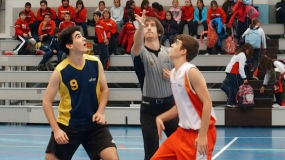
<point>139,35</point>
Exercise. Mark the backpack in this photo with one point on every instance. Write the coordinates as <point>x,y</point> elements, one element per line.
<point>212,37</point>
<point>245,97</point>
<point>251,12</point>
<point>254,38</point>
<point>230,46</point>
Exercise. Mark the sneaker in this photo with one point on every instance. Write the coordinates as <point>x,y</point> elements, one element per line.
<point>231,106</point>
<point>207,54</point>
<point>205,38</point>
<point>218,53</point>
<point>15,52</point>
<point>283,36</point>
<point>32,41</point>
<point>194,36</point>
<point>275,105</point>
<point>41,67</point>
<point>255,78</point>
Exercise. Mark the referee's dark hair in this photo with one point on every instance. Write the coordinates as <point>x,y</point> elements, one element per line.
<point>190,44</point>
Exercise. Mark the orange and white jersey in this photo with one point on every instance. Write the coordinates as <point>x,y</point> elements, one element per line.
<point>188,103</point>
<point>236,65</point>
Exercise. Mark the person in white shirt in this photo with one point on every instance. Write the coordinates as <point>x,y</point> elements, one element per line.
<point>268,66</point>
<point>195,137</point>
<point>117,13</point>
<point>236,73</point>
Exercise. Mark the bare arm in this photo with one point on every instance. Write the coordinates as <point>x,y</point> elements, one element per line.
<point>201,90</point>
<point>51,91</point>
<point>139,36</point>
<point>170,114</point>
<point>104,90</point>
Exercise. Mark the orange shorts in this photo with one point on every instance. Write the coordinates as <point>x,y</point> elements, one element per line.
<point>181,145</point>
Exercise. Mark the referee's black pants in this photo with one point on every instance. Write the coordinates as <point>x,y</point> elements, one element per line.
<point>150,108</point>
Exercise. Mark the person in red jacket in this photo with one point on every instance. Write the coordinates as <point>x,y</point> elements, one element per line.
<point>46,29</point>
<point>101,38</point>
<point>158,11</point>
<point>64,8</point>
<point>112,29</point>
<point>23,33</point>
<point>145,6</point>
<point>187,17</point>
<point>66,23</point>
<point>80,16</point>
<point>131,4</point>
<point>30,18</point>
<point>215,11</point>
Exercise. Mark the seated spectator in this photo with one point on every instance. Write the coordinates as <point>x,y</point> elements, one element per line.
<point>66,23</point>
<point>46,29</point>
<point>23,34</point>
<point>53,50</point>
<point>200,18</point>
<point>171,28</point>
<point>80,16</point>
<point>30,19</point>
<point>131,4</point>
<point>64,8</point>
<point>101,38</point>
<point>145,6</point>
<point>236,73</point>
<point>215,11</point>
<point>42,11</point>
<point>176,11</point>
<point>101,8</point>
<point>158,11</point>
<point>187,17</point>
<point>112,30</point>
<point>117,14</point>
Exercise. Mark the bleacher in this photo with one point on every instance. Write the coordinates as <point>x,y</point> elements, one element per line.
<point>19,83</point>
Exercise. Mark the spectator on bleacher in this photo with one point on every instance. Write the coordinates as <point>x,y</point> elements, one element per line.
<point>80,16</point>
<point>131,4</point>
<point>30,19</point>
<point>101,8</point>
<point>67,22</point>
<point>54,49</point>
<point>64,8</point>
<point>126,37</point>
<point>112,30</point>
<point>267,66</point>
<point>187,17</point>
<point>23,34</point>
<point>228,9</point>
<point>255,35</point>
<point>117,14</point>
<point>176,11</point>
<point>158,11</point>
<point>215,11</point>
<point>171,28</point>
<point>236,73</point>
<point>200,18</point>
<point>46,29</point>
<point>145,6</point>
<point>101,38</point>
<point>42,11</point>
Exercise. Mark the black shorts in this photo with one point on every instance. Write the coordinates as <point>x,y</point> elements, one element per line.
<point>94,139</point>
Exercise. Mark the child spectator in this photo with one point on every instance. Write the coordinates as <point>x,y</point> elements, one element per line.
<point>145,6</point>
<point>228,9</point>
<point>45,10</point>
<point>23,33</point>
<point>176,11</point>
<point>200,18</point>
<point>80,16</point>
<point>158,11</point>
<point>30,19</point>
<point>112,30</point>
<point>236,73</point>
<point>187,17</point>
<point>131,4</point>
<point>53,50</point>
<point>46,29</point>
<point>101,38</point>
<point>64,8</point>
<point>170,28</point>
<point>101,8</point>
<point>215,11</point>
<point>126,37</point>
<point>117,13</point>
<point>66,23</point>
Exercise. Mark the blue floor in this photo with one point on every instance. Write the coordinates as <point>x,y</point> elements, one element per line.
<point>29,143</point>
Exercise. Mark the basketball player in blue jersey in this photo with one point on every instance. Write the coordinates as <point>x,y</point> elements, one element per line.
<point>83,90</point>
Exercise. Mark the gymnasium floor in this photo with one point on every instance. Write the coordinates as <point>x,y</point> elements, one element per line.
<point>29,143</point>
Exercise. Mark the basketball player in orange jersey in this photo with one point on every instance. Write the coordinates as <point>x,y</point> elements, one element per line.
<point>196,135</point>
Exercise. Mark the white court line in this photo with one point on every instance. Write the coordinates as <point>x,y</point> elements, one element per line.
<point>224,148</point>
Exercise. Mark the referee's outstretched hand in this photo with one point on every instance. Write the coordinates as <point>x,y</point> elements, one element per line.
<point>160,127</point>
<point>99,118</point>
<point>60,137</point>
